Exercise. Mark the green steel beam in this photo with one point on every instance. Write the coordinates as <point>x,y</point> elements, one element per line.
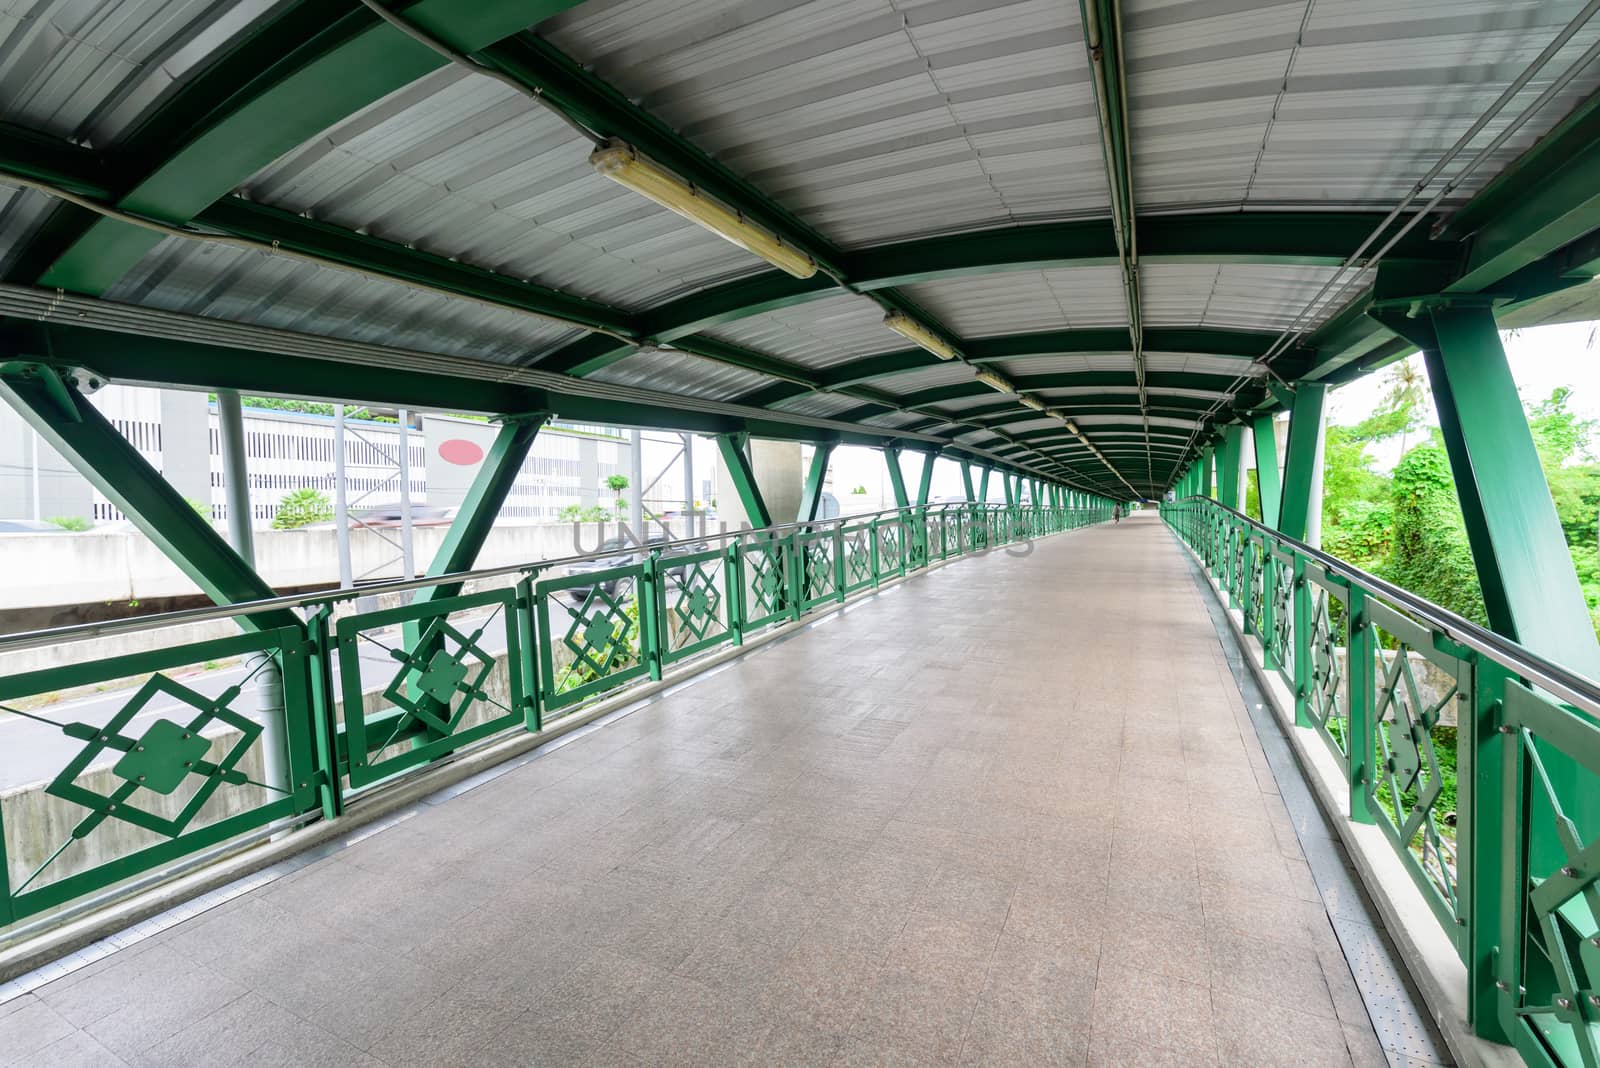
<point>811,496</point>
<point>1547,199</point>
<point>1269,487</point>
<point>1530,588</point>
<point>1324,238</point>
<point>966,480</point>
<point>897,478</point>
<point>1300,459</point>
<point>75,428</point>
<point>1230,490</point>
<point>1207,472</point>
<point>1011,493</point>
<point>983,485</point>
<point>1038,383</point>
<point>1241,344</point>
<point>737,464</point>
<point>480,508</point>
<point>279,85</point>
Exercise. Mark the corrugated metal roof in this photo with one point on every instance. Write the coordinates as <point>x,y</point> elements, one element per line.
<point>1021,302</point>
<point>21,213</point>
<point>822,333</point>
<point>1238,296</point>
<point>871,121</point>
<point>88,71</point>
<point>821,405</point>
<point>464,167</point>
<point>944,374</point>
<point>681,372</point>
<point>1226,109</point>
<point>260,289</point>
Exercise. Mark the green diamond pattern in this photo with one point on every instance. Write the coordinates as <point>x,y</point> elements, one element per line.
<point>601,633</point>
<point>819,568</point>
<point>698,605</point>
<point>857,557</point>
<point>766,578</point>
<point>1410,779</point>
<point>159,760</point>
<point>437,682</point>
<point>1327,678</point>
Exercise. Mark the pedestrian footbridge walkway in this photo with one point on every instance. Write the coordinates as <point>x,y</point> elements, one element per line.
<point>1012,811</point>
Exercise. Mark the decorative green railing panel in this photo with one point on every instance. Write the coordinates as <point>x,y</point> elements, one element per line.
<point>1487,790</point>
<point>171,770</point>
<point>591,640</point>
<point>768,572</point>
<point>451,671</point>
<point>820,567</point>
<point>173,766</point>
<point>1416,791</point>
<point>694,603</point>
<point>858,555</point>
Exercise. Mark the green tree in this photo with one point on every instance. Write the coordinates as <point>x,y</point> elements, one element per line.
<point>1564,442</point>
<point>302,507</point>
<point>616,484</point>
<point>1429,555</point>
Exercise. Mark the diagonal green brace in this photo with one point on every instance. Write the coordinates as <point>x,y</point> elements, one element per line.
<point>77,430</point>
<point>811,496</point>
<point>475,518</point>
<point>737,464</point>
<point>1229,492</point>
<point>1269,487</point>
<point>1530,587</point>
<point>966,480</point>
<point>1300,459</point>
<point>897,478</point>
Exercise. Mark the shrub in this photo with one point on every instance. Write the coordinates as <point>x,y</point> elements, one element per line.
<point>577,513</point>
<point>302,507</point>
<point>74,523</point>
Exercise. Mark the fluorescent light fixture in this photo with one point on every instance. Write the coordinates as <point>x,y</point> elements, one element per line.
<point>919,335</point>
<point>1032,402</point>
<point>626,167</point>
<point>994,381</point>
<point>1072,428</point>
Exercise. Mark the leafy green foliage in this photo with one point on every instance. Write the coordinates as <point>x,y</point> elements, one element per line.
<point>577,513</point>
<point>305,407</point>
<point>75,523</point>
<point>302,507</point>
<point>616,484</point>
<point>1430,555</point>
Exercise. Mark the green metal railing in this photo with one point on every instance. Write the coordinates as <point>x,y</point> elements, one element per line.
<point>1478,760</point>
<point>385,681</point>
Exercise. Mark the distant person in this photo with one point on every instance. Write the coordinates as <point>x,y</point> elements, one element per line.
<point>1116,513</point>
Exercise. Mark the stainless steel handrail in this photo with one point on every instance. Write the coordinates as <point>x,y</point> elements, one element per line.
<point>1566,684</point>
<point>83,631</point>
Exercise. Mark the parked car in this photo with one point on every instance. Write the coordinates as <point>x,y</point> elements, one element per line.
<point>391,517</point>
<point>615,552</point>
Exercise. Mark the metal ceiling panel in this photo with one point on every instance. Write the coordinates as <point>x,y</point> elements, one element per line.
<point>1240,296</point>
<point>681,372</point>
<point>1021,302</point>
<point>872,122</point>
<point>89,71</point>
<point>820,334</point>
<point>944,374</point>
<point>1234,104</point>
<point>462,166</point>
<point>819,405</point>
<point>22,211</point>
<point>260,289</point>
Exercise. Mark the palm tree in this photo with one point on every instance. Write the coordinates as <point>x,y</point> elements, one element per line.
<point>616,484</point>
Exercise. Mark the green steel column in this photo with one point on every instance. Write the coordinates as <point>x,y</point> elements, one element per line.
<point>1300,459</point>
<point>983,485</point>
<point>811,497</point>
<point>1207,482</point>
<point>1011,496</point>
<point>897,478</point>
<point>76,429</point>
<point>925,486</point>
<point>475,518</point>
<point>966,480</point>
<point>1530,588</point>
<point>1229,491</point>
<point>744,480</point>
<point>1269,488</point>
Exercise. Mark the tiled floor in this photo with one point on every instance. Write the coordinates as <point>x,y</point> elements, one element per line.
<point>1012,812</point>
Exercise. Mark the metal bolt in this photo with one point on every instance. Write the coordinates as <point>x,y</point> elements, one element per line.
<point>1507,728</point>
<point>1570,872</point>
<point>141,778</point>
<point>112,807</point>
<point>186,736</point>
<point>1594,999</point>
<point>1565,1003</point>
<point>138,749</point>
<point>188,763</point>
<point>1503,985</point>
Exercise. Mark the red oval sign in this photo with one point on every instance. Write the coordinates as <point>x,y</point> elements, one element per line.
<point>459,451</point>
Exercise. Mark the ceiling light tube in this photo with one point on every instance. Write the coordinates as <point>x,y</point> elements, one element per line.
<point>919,335</point>
<point>1032,402</point>
<point>994,381</point>
<point>620,163</point>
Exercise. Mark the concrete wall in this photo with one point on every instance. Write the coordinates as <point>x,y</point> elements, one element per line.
<point>780,476</point>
